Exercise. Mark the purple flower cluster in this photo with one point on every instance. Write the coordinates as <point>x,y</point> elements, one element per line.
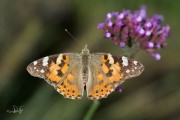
<point>127,29</point>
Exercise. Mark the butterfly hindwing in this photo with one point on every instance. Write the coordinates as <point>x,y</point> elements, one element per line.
<point>99,84</point>
<point>61,71</point>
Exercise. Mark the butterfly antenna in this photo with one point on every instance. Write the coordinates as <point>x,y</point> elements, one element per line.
<point>74,37</point>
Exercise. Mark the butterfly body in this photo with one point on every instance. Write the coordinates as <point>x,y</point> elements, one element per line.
<point>85,61</point>
<point>97,73</point>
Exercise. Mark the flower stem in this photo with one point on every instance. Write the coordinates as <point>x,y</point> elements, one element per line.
<point>91,110</point>
<point>132,51</point>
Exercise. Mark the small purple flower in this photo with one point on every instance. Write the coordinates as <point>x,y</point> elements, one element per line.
<point>118,89</point>
<point>108,35</point>
<point>150,44</point>
<point>122,44</point>
<point>127,29</point>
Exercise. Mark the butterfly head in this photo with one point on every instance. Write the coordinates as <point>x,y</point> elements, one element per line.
<point>85,50</point>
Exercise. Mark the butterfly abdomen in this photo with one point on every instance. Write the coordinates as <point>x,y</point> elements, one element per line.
<point>85,68</point>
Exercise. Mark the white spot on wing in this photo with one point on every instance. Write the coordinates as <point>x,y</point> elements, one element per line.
<point>127,71</point>
<point>132,70</point>
<point>45,61</point>
<point>58,61</point>
<point>34,67</point>
<point>111,60</point>
<point>135,62</point>
<point>125,61</point>
<point>58,90</point>
<point>42,71</point>
<point>72,97</point>
<point>35,63</point>
<point>135,67</point>
<point>54,85</point>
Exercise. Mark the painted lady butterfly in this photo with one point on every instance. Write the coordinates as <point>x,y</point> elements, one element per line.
<point>72,73</point>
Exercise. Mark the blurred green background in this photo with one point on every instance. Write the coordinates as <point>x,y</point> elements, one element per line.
<point>31,29</point>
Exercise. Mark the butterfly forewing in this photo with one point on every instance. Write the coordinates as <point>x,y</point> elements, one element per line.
<point>129,67</point>
<point>62,71</point>
<point>40,67</point>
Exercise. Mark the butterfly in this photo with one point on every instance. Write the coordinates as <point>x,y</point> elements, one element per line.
<point>99,74</point>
